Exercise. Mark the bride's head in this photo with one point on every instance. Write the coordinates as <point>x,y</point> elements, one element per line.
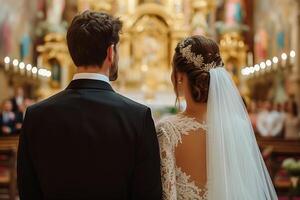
<point>193,58</point>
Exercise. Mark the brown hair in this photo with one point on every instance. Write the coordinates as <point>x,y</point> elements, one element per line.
<point>198,77</point>
<point>89,36</point>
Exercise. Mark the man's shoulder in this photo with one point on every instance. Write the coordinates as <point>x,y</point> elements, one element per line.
<point>131,103</point>
<point>45,102</point>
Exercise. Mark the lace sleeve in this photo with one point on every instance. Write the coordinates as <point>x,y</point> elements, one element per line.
<point>168,172</point>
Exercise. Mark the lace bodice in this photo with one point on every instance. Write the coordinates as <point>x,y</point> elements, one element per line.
<point>177,185</point>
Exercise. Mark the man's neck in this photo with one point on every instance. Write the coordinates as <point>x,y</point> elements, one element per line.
<point>93,69</point>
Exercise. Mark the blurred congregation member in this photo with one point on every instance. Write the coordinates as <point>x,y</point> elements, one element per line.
<point>21,113</point>
<point>265,120</point>
<point>292,121</point>
<point>278,117</point>
<point>7,119</point>
<point>252,110</point>
<point>18,99</point>
<point>260,106</point>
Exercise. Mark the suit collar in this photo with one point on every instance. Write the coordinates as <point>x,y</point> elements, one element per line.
<point>93,76</point>
<point>89,84</point>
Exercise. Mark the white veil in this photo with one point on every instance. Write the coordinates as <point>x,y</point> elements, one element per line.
<point>236,170</point>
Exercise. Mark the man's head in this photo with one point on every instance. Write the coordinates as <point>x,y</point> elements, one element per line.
<point>268,105</point>
<point>7,105</point>
<point>19,91</point>
<point>93,39</point>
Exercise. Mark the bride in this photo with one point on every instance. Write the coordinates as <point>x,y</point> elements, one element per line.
<point>209,151</point>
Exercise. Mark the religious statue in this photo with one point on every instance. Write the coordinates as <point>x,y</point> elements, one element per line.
<point>54,17</point>
<point>261,44</point>
<point>25,44</point>
<point>151,68</point>
<point>234,12</point>
<point>153,46</point>
<point>56,72</point>
<point>233,69</point>
<point>199,24</point>
<point>280,27</point>
<point>5,36</point>
<point>55,9</point>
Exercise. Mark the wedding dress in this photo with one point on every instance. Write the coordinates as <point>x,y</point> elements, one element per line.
<point>234,166</point>
<point>177,184</point>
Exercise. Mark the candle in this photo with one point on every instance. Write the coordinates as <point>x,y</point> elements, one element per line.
<point>292,55</point>
<point>22,68</point>
<point>6,61</point>
<point>275,62</point>
<point>283,59</point>
<point>15,64</point>
<point>250,58</point>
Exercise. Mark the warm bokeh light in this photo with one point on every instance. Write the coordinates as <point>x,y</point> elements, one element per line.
<point>284,56</point>
<point>262,65</point>
<point>15,62</point>
<point>268,63</point>
<point>275,59</point>
<point>28,67</point>
<point>34,70</point>
<point>292,53</point>
<point>7,60</point>
<point>21,65</point>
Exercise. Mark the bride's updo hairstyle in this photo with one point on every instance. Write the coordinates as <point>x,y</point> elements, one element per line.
<point>195,56</point>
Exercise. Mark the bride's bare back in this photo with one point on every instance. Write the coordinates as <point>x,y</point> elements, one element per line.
<point>183,158</point>
<point>191,156</point>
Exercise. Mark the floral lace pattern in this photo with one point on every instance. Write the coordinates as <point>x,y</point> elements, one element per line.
<point>176,183</point>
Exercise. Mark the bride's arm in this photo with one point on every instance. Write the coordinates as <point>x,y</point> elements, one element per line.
<point>168,173</point>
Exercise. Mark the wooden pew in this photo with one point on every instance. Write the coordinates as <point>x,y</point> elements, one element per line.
<point>280,146</point>
<point>8,151</point>
<point>274,151</point>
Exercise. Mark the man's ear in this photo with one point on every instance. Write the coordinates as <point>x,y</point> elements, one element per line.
<point>110,53</point>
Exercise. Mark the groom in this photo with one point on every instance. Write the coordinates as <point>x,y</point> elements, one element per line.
<point>88,142</point>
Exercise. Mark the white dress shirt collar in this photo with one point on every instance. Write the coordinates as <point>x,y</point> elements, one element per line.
<point>92,76</point>
<point>19,100</point>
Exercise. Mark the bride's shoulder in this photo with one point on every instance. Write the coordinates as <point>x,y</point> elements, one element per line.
<point>167,129</point>
<point>167,121</point>
<point>178,124</point>
<point>173,124</point>
<point>164,121</point>
<point>166,124</point>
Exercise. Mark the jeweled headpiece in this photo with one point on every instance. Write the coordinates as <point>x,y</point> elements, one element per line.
<point>197,60</point>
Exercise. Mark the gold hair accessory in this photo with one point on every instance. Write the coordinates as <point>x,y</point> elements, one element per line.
<point>197,60</point>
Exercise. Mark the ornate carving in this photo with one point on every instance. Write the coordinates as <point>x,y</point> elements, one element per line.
<point>54,55</point>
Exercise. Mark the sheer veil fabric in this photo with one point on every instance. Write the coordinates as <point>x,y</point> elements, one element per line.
<point>235,167</point>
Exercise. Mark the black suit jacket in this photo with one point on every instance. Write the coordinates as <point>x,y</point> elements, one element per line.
<point>14,104</point>
<point>88,142</point>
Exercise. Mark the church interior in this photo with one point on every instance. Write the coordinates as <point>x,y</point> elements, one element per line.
<point>258,40</point>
